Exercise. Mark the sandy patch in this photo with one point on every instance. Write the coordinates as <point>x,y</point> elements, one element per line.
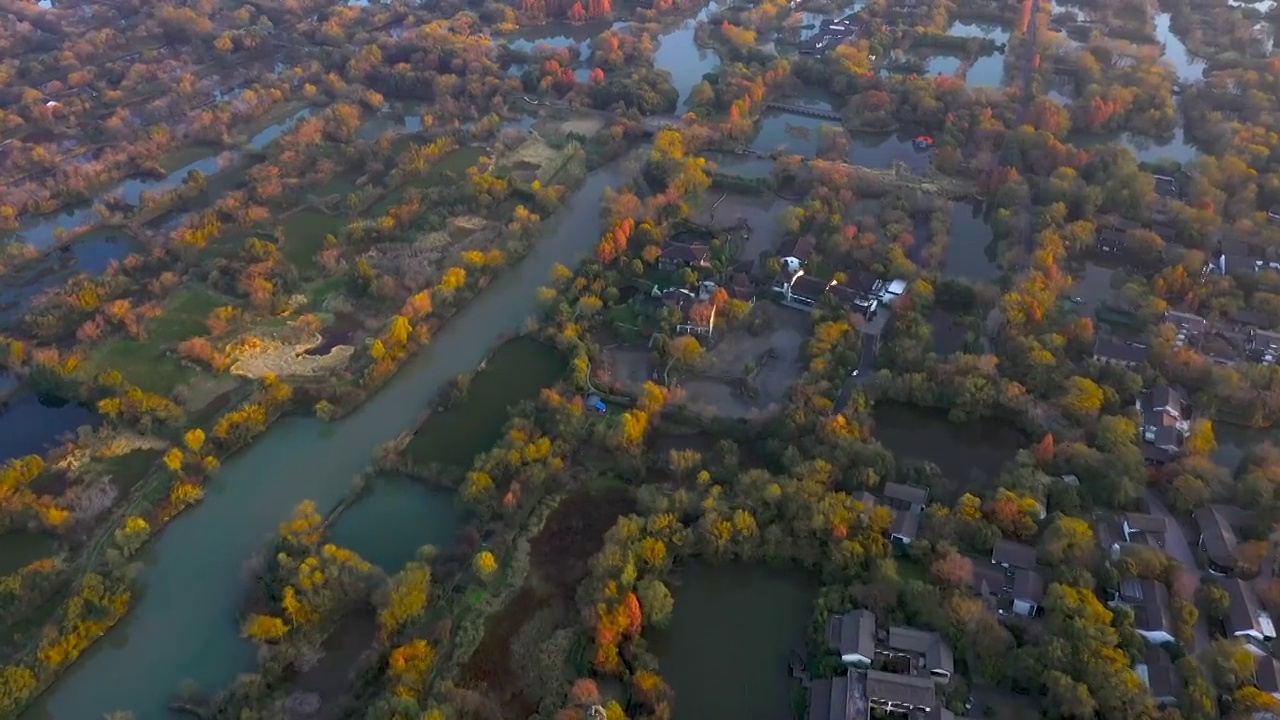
<point>257,357</point>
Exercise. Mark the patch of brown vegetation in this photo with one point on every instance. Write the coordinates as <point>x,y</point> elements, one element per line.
<point>573,533</point>
<point>490,667</point>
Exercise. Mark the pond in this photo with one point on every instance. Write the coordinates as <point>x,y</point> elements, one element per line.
<point>678,54</point>
<point>20,549</point>
<point>882,150</point>
<point>90,254</point>
<point>791,133</point>
<point>732,634</point>
<point>30,425</point>
<point>968,454</point>
<point>516,372</point>
<point>970,252</point>
<point>395,517</point>
<point>986,71</point>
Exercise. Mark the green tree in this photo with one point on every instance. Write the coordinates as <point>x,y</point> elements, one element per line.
<point>656,601</point>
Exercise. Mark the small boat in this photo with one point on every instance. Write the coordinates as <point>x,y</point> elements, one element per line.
<point>922,142</point>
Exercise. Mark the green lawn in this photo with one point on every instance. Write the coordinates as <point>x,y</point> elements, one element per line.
<point>128,469</point>
<point>146,364</point>
<point>185,315</point>
<point>304,233</point>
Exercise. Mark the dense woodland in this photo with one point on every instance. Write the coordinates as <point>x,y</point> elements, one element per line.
<point>366,171</point>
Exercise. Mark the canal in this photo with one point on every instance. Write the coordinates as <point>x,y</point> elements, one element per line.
<point>183,623</point>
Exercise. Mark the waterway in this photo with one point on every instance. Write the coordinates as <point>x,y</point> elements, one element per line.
<point>969,454</point>
<point>30,425</point>
<point>183,624</point>
<point>731,636</point>
<point>970,254</point>
<point>678,54</point>
<point>397,516</point>
<point>269,134</point>
<point>516,372</point>
<point>1189,67</point>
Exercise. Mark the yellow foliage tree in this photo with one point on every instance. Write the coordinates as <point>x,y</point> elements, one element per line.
<point>185,494</point>
<point>173,459</point>
<point>194,439</point>
<point>408,666</point>
<point>264,628</point>
<point>407,596</point>
<point>485,564</point>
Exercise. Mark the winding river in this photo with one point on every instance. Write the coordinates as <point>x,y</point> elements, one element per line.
<point>183,624</point>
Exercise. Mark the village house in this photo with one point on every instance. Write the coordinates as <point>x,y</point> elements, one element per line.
<point>1159,674</point>
<point>904,497</point>
<point>799,290</point>
<point>853,635</point>
<point>1013,555</point>
<point>1166,419</point>
<point>1027,592</point>
<point>1245,617</point>
<point>1128,354</point>
<point>1152,611</point>
<point>676,255</point>
<point>1218,537</point>
<point>796,253</point>
<point>1266,677</point>
<point>925,650</point>
<point>697,317</point>
<point>1141,529</point>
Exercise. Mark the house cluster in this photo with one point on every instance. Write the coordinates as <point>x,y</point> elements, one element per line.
<point>1166,420</point>
<point>802,289</point>
<point>902,670</point>
<point>830,34</point>
<point>1241,337</point>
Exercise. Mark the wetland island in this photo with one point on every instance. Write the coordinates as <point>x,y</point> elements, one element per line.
<point>639,360</point>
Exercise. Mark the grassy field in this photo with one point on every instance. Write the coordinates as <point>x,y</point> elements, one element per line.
<point>150,364</point>
<point>128,469</point>
<point>185,316</point>
<point>146,364</point>
<point>304,233</point>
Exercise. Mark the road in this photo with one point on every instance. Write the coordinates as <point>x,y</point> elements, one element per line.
<point>1178,546</point>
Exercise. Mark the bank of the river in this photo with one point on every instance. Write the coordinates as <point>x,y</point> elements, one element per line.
<point>732,633</point>
<point>183,625</point>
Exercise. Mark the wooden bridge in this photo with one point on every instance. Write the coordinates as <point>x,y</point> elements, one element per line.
<point>807,111</point>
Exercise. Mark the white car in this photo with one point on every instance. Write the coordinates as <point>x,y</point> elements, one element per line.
<point>855,372</point>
